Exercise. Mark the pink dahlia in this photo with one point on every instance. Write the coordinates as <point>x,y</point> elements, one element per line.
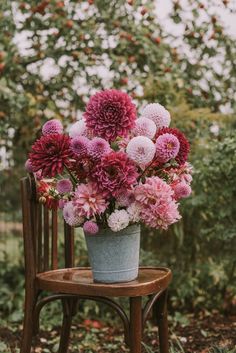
<point>71,215</point>
<point>79,145</point>
<point>28,166</point>
<point>158,209</point>
<point>141,150</point>
<point>79,129</point>
<point>157,113</point>
<point>98,147</point>
<point>110,113</point>
<point>53,126</point>
<point>167,147</point>
<point>90,227</point>
<point>184,146</point>
<point>115,173</point>
<point>124,199</point>
<point>64,186</point>
<point>145,127</point>
<point>181,190</point>
<point>51,153</point>
<point>89,201</point>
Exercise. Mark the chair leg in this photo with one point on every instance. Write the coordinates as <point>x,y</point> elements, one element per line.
<point>66,325</point>
<point>27,335</point>
<point>161,314</point>
<point>135,324</point>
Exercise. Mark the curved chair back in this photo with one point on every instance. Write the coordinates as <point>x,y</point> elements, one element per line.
<point>40,231</point>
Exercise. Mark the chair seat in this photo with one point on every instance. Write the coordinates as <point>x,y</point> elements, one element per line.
<point>80,281</point>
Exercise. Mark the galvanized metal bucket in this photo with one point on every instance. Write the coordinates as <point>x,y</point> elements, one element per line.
<point>114,256</point>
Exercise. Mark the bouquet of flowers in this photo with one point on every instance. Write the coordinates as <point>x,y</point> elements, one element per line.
<point>113,169</point>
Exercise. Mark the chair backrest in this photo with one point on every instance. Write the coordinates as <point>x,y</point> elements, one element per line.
<point>40,231</point>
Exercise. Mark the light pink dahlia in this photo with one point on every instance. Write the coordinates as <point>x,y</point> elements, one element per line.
<point>157,113</point>
<point>79,145</point>
<point>141,150</point>
<point>145,127</point>
<point>134,212</point>
<point>158,209</point>
<point>167,147</point>
<point>90,227</point>
<point>64,186</point>
<point>79,129</point>
<point>89,201</point>
<point>181,190</point>
<point>71,215</point>
<point>53,126</point>
<point>98,147</point>
<point>110,113</point>
<point>115,173</point>
<point>118,220</point>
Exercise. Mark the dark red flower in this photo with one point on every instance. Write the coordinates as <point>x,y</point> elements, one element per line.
<point>184,149</point>
<point>51,153</point>
<point>115,173</point>
<point>110,113</point>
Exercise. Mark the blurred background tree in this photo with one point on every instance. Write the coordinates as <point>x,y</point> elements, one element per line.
<point>54,54</point>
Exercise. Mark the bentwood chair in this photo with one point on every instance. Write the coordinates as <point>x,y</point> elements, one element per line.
<point>71,284</point>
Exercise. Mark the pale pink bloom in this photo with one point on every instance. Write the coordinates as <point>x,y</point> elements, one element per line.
<point>118,220</point>
<point>187,178</point>
<point>71,215</point>
<point>90,227</point>
<point>141,150</point>
<point>158,209</point>
<point>78,129</point>
<point>89,201</point>
<point>181,190</point>
<point>157,113</point>
<point>145,127</point>
<point>124,199</point>
<point>134,212</point>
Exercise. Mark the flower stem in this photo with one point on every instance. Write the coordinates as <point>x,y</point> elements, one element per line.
<point>74,180</point>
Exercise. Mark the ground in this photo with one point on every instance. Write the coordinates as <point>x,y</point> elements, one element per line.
<point>201,333</point>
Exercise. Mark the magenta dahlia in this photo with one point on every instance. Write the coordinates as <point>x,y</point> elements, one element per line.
<point>115,173</point>
<point>98,147</point>
<point>110,113</point>
<point>167,147</point>
<point>51,153</point>
<point>53,126</point>
<point>184,146</point>
<point>79,146</point>
<point>90,227</point>
<point>64,186</point>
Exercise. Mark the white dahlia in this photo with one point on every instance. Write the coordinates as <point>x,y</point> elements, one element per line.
<point>118,220</point>
<point>141,150</point>
<point>145,127</point>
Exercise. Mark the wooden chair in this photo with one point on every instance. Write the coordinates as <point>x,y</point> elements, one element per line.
<point>70,284</point>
